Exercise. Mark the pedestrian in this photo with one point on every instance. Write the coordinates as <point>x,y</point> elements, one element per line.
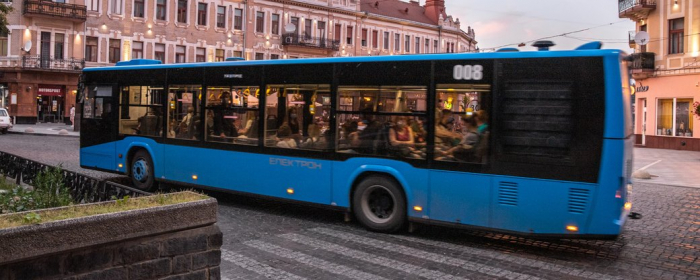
<point>72,115</point>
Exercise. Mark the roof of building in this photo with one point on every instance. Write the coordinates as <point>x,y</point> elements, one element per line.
<point>396,9</point>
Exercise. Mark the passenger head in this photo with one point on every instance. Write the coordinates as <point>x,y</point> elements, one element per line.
<point>366,113</point>
<point>447,117</point>
<point>401,121</point>
<point>292,114</point>
<point>250,115</point>
<point>351,127</point>
<point>190,110</point>
<point>481,117</point>
<point>284,131</point>
<point>469,121</point>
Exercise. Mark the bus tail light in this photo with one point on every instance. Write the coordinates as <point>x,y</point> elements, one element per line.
<point>628,206</point>
<point>121,165</point>
<point>618,194</point>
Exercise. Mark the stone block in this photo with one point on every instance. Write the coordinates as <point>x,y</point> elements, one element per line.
<point>182,264</point>
<point>40,268</point>
<point>150,269</point>
<point>216,240</point>
<point>195,275</point>
<point>84,261</point>
<point>215,273</point>
<point>185,245</point>
<point>117,273</point>
<point>206,259</point>
<point>137,253</point>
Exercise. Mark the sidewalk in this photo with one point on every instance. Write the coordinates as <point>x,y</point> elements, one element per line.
<point>672,167</point>
<point>54,129</point>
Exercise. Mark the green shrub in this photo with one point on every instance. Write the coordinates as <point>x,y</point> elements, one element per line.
<point>49,189</point>
<point>16,200</point>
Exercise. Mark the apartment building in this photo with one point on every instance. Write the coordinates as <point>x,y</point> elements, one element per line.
<point>102,32</point>
<point>41,58</point>
<point>666,71</point>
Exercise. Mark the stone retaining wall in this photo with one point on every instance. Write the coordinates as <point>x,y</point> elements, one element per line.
<point>180,241</point>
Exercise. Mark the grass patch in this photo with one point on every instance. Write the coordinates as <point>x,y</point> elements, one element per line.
<point>5,185</point>
<point>77,211</point>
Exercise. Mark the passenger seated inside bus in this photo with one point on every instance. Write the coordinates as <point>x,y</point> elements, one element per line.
<point>284,137</point>
<point>371,135</point>
<point>349,138</point>
<point>465,150</point>
<point>315,141</point>
<point>149,124</point>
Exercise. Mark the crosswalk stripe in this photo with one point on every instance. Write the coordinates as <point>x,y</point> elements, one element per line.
<point>257,267</point>
<point>312,261</point>
<point>510,258</point>
<point>355,254</point>
<point>473,266</point>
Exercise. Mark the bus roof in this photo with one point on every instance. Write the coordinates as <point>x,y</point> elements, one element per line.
<point>387,58</point>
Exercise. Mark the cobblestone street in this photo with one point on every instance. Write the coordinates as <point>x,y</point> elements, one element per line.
<point>272,240</point>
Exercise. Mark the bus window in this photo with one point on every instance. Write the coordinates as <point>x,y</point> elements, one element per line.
<point>184,111</point>
<point>461,123</point>
<point>384,121</point>
<point>297,116</point>
<point>232,114</point>
<point>141,110</point>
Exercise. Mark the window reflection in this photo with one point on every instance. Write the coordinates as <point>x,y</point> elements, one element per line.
<point>297,117</point>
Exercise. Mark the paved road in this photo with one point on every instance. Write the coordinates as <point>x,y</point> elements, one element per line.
<point>272,240</point>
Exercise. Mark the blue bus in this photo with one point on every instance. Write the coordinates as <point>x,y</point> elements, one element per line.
<point>535,143</point>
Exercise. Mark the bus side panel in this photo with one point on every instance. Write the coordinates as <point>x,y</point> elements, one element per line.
<point>413,180</point>
<point>462,198</point>
<point>252,173</point>
<point>101,156</point>
<point>540,206</point>
<point>616,166</point>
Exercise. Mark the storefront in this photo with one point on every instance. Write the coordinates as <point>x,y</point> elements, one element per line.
<point>50,103</point>
<point>39,96</point>
<point>664,112</point>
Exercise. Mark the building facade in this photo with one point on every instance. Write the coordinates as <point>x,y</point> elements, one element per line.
<point>41,82</point>
<point>666,71</point>
<point>40,60</point>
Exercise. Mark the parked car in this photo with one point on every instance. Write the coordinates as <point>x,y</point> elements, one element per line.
<point>5,121</point>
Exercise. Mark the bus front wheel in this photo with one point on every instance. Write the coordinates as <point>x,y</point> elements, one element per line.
<point>142,171</point>
<point>379,204</point>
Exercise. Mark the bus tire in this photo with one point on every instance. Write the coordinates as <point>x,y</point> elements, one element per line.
<point>379,204</point>
<point>141,171</point>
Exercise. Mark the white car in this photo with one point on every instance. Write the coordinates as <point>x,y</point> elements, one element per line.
<point>5,122</point>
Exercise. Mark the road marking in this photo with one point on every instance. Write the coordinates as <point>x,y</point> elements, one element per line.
<point>509,258</point>
<point>312,261</point>
<point>370,258</point>
<point>472,266</point>
<point>650,165</point>
<point>257,267</point>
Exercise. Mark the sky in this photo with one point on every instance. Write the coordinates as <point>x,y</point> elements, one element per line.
<point>500,23</point>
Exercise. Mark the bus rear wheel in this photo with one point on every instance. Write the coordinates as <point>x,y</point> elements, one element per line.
<point>379,204</point>
<point>141,172</point>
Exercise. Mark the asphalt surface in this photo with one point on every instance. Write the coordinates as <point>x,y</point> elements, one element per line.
<point>264,239</point>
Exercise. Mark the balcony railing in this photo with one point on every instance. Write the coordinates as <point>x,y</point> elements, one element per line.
<point>635,9</point>
<point>312,42</point>
<point>37,62</point>
<point>642,61</point>
<point>54,9</point>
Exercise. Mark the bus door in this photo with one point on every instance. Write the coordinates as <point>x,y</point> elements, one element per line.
<point>98,128</point>
<point>458,193</point>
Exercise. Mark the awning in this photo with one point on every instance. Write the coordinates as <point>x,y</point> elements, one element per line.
<point>50,90</point>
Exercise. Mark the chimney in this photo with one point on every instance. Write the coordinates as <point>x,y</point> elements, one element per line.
<point>435,8</point>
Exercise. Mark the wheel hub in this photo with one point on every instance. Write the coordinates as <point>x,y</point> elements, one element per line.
<point>140,170</point>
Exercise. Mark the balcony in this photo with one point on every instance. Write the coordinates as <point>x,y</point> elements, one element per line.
<point>636,9</point>
<point>310,42</point>
<point>50,9</point>
<point>642,65</point>
<point>36,62</point>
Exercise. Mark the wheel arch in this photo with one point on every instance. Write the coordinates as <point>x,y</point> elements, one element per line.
<point>133,149</point>
<point>390,173</point>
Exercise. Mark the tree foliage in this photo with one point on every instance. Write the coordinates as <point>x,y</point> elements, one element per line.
<point>4,11</point>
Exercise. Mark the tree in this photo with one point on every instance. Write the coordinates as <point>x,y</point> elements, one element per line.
<point>4,11</point>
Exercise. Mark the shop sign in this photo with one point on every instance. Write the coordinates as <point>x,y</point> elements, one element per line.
<point>642,88</point>
<point>50,90</point>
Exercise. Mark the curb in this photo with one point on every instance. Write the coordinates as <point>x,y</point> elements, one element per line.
<point>40,134</point>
